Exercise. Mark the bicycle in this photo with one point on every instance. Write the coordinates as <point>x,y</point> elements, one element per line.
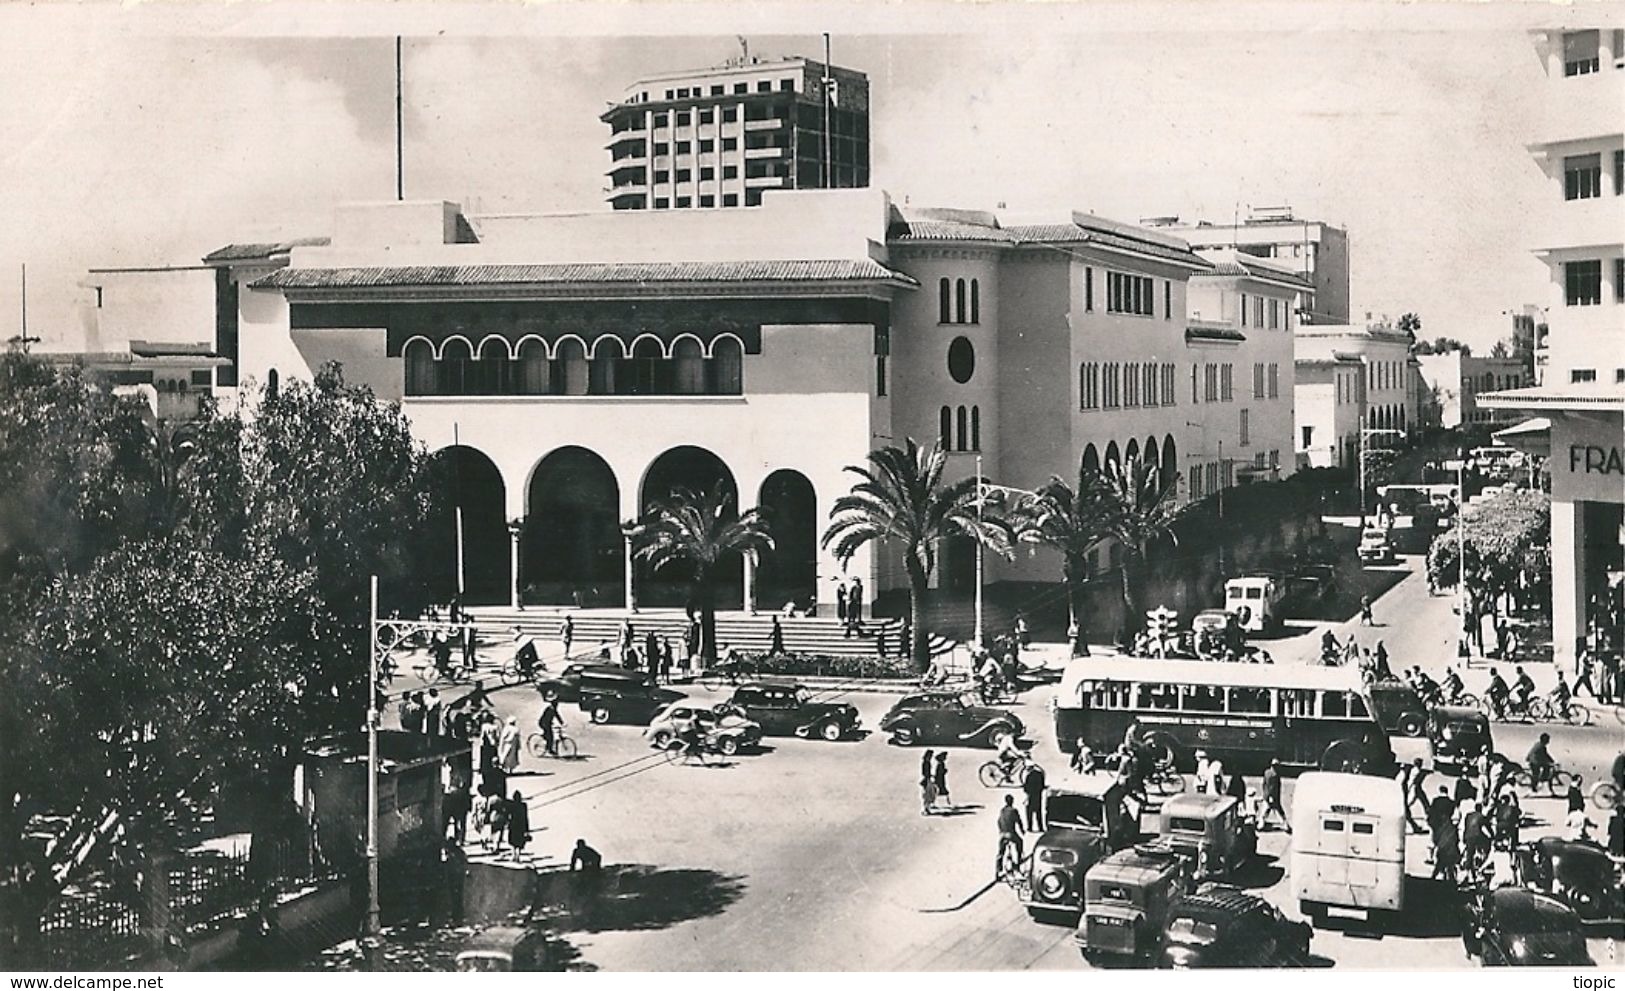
<point>1545,710</point>
<point>1557,779</point>
<point>564,748</point>
<point>433,676</point>
<point>679,752</point>
<point>1011,869</point>
<point>1605,795</point>
<point>510,673</point>
<point>997,774</point>
<point>730,675</point>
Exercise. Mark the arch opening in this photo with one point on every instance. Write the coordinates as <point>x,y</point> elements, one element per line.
<point>573,552</point>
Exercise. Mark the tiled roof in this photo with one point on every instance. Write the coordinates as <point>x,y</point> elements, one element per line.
<point>1213,332</point>
<point>252,250</point>
<point>598,273</point>
<point>167,349</point>
<point>1240,266</point>
<point>1075,234</point>
<point>946,230</point>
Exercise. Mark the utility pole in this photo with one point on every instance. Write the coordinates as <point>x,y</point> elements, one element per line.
<point>979,493</point>
<point>400,151</point>
<point>1461,551</point>
<point>23,340</point>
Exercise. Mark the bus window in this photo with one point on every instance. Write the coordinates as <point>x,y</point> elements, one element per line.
<point>1203,698</point>
<point>1297,702</point>
<point>1250,700</point>
<point>1334,704</point>
<point>1357,706</point>
<point>1255,593</point>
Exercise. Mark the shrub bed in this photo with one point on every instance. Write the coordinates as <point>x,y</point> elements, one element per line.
<point>830,665</point>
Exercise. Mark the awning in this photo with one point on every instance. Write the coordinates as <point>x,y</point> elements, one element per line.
<point>1532,436</point>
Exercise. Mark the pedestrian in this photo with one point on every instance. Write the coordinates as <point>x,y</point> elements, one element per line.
<point>1022,635</point>
<point>1583,665</point>
<point>1610,677</point>
<point>497,815</point>
<point>469,659</point>
<point>1576,795</point>
<point>928,788</point>
<point>939,779</point>
<point>432,713</point>
<point>1466,789</point>
<point>665,658</point>
<point>488,743</point>
<point>454,864</point>
<point>518,826</point>
<point>882,644</point>
<point>1441,812</point>
<point>625,638</point>
<point>651,657</point>
<point>1202,770</point>
<point>1410,782</point>
<point>411,713</point>
<point>1236,788</point>
<point>1475,837</point>
<point>508,747</point>
<point>1508,821</point>
<point>1366,618</point>
<point>567,635</point>
<point>840,603</point>
<point>1009,834</point>
<point>1446,852</point>
<point>585,860</point>
<point>776,644</point>
<point>1215,777</point>
<point>905,638</point>
<point>1272,795</point>
<point>854,604</point>
<point>1576,826</point>
<point>1032,784</point>
<point>1616,833</point>
<point>1384,673</point>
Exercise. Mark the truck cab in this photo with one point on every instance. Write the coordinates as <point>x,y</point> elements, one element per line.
<point>1088,819</point>
<point>1126,900</point>
<point>1255,601</point>
<point>1210,831</point>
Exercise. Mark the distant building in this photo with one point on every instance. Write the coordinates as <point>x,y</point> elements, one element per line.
<point>721,137</point>
<point>1390,396</point>
<point>1453,381</point>
<point>1313,249</point>
<point>1329,402</point>
<point>1529,340</point>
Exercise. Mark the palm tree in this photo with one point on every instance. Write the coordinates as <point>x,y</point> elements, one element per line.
<point>901,498</point>
<point>703,531</point>
<point>1143,511</point>
<point>1073,521</point>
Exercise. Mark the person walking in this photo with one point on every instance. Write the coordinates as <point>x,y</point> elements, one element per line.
<point>1475,836</point>
<point>1446,852</point>
<point>1366,619</point>
<point>498,810</point>
<point>1441,815</point>
<point>1032,785</point>
<point>854,604</point>
<point>939,781</point>
<point>1236,788</point>
<point>432,713</point>
<point>1508,821</point>
<point>928,788</point>
<point>651,657</point>
<point>411,713</point>
<point>518,826</point>
<point>1009,835</point>
<point>1583,666</point>
<point>1576,795</point>
<point>1411,777</point>
<point>840,603</point>
<point>665,658</point>
<point>508,747</point>
<point>567,635</point>
<point>1272,796</point>
<point>1215,777</point>
<point>469,660</point>
<point>1384,672</point>
<point>776,643</point>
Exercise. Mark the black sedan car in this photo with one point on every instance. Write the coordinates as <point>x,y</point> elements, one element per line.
<point>1517,927</point>
<point>1458,736</point>
<point>787,709</point>
<point>1581,875</point>
<point>570,683</point>
<point>947,718</point>
<point>1223,926</point>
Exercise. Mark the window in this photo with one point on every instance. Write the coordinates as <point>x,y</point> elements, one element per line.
<point>1258,311</point>
<point>662,203</point>
<point>661,120</point>
<point>947,428</point>
<point>1619,173</point>
<point>716,90</point>
<point>1194,397</point>
<point>708,116</point>
<point>741,88</point>
<point>1151,380</point>
<point>976,428</point>
<point>880,375</point>
<point>1167,299</point>
<point>1210,383</point>
<point>729,115</point>
<point>1130,294</point>
<point>1168,386</point>
<point>1580,53</point>
<point>1578,375</point>
<point>1226,383</point>
<point>1582,177</point>
<point>787,85</point>
<point>959,301</point>
<point>684,175</point>
<point>1088,290</point>
<point>683,117</point>
<point>1244,309</point>
<point>961,360</point>
<point>1308,437</point>
<point>685,147</point>
<point>943,297</point>
<point>708,201</point>
<point>1619,280</point>
<point>975,302</point>
<point>1245,436</point>
<point>764,86</point>
<point>727,367</point>
<point>962,419</point>
<point>707,146</point>
<point>730,172</point>
<point>662,148</point>
<point>1582,282</point>
<point>707,174</point>
<point>1258,380</point>
<point>730,199</point>
<point>1275,381</point>
<point>1275,314</point>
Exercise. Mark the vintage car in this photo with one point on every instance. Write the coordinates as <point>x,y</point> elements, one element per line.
<point>1222,926</point>
<point>1398,709</point>
<point>787,709</point>
<point>503,948</point>
<point>1458,736</point>
<point>1126,898</point>
<point>948,718</point>
<point>567,684</point>
<point>1087,819</point>
<point>726,730</point>
<point>1517,927</point>
<point>1375,547</point>
<point>630,703</point>
<point>1579,874</point>
<point>1210,830</point>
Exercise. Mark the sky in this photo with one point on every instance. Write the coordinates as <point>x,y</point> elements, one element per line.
<point>134,135</point>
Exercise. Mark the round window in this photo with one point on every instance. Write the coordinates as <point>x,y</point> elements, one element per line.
<point>961,360</point>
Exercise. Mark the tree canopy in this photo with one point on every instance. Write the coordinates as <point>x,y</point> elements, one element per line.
<point>1500,538</point>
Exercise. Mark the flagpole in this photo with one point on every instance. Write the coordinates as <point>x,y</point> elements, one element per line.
<point>457,498</point>
<point>978,634</point>
<point>400,153</point>
<point>829,165</point>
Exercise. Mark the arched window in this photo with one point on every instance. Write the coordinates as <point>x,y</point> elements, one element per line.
<point>650,376</point>
<point>688,367</point>
<point>1132,451</point>
<point>727,367</point>
<point>455,356</point>
<point>531,376</point>
<point>607,356</point>
<point>1083,385</point>
<point>1091,458</point>
<point>975,302</point>
<point>490,373</point>
<point>420,371</point>
<point>273,384</point>
<point>976,428</point>
<point>943,309</point>
<point>959,301</point>
<point>1112,457</point>
<point>964,429</point>
<point>570,374</point>
<point>947,429</point>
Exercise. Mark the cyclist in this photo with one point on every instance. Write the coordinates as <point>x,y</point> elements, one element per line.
<point>440,650</point>
<point>548,722</point>
<point>1497,693</point>
<point>1539,761</point>
<point>1523,689</point>
<point>1329,648</point>
<point>526,656</point>
<point>1009,756</point>
<point>1009,835</point>
<point>1453,688</point>
<point>693,739</point>
<point>1560,697</point>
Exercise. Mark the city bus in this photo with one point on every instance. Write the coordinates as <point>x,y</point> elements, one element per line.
<point>1241,714</point>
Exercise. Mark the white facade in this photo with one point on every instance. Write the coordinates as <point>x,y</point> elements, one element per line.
<point>1453,382</point>
<point>1314,250</point>
<point>1391,377</point>
<point>1329,407</point>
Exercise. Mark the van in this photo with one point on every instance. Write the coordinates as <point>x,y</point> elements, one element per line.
<point>1374,546</point>
<point>1255,601</point>
<point>1348,845</point>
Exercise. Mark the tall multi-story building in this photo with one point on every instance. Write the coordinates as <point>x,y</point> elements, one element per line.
<point>1580,148</point>
<point>721,137</point>
<point>1313,249</point>
<point>1329,401</point>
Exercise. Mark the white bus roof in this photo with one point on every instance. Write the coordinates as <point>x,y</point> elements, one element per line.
<point>1081,669</point>
<point>1324,789</point>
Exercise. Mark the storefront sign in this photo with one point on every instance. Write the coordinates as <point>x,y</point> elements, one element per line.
<point>1588,459</point>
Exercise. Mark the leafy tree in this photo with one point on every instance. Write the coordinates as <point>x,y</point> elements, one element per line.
<point>900,499</point>
<point>1072,520</point>
<point>701,531</point>
<point>1143,511</point>
<point>1501,539</point>
<point>1409,325</point>
<point>1500,350</point>
<point>1443,345</point>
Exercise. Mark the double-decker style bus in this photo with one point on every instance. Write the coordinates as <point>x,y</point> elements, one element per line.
<point>1241,714</point>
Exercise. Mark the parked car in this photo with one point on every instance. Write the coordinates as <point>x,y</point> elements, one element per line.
<point>1223,926</point>
<point>1126,901</point>
<point>1579,874</point>
<point>1517,927</point>
<point>1087,819</point>
<point>726,730</point>
<point>1458,735</point>
<point>632,703</point>
<point>567,684</point>
<point>947,718</point>
<point>503,948</point>
<point>1209,831</point>
<point>788,709</point>
<point>1375,547</point>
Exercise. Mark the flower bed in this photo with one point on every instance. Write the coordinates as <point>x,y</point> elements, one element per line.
<point>830,666</point>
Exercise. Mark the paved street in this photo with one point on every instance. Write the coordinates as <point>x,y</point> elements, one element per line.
<point>815,856</point>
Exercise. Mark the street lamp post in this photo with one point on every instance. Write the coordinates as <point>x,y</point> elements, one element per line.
<point>372,776</point>
<point>977,637</point>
